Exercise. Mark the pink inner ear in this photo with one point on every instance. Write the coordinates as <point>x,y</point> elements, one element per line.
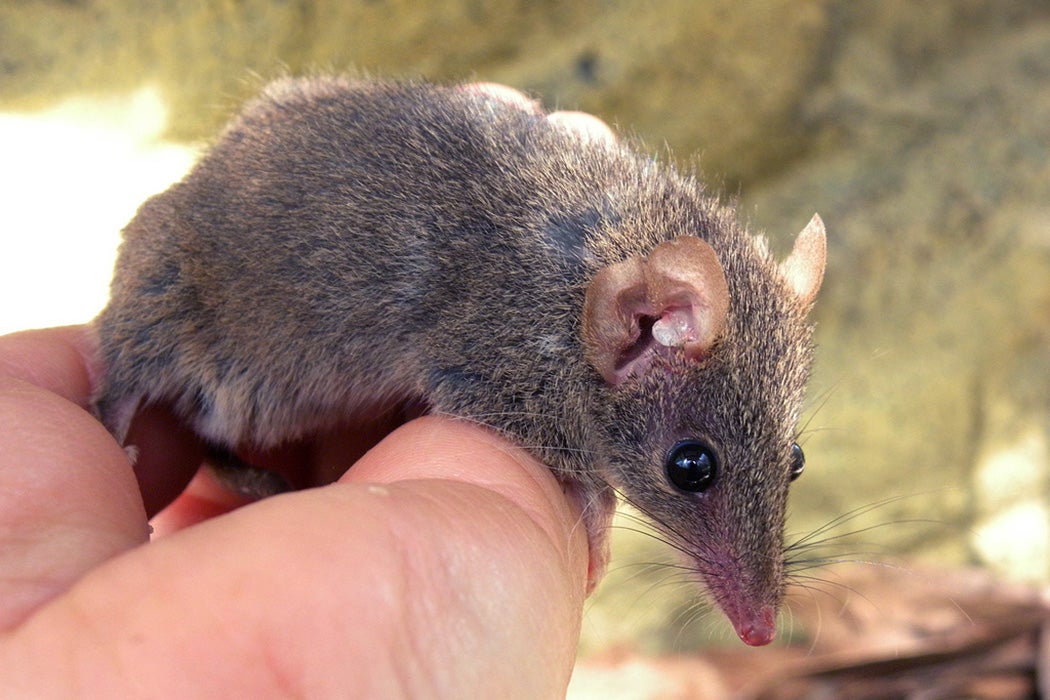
<point>673,328</point>
<point>659,330</point>
<point>675,298</point>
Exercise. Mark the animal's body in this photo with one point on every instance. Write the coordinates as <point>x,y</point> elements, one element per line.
<point>350,246</point>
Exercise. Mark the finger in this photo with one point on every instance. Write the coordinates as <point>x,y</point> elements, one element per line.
<point>203,498</point>
<point>57,359</point>
<point>68,498</point>
<point>418,443</point>
<point>424,586</point>
<point>65,361</point>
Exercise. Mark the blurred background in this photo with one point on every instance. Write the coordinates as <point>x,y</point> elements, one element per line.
<point>920,130</point>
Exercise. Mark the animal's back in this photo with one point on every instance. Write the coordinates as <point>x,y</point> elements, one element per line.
<point>354,242</point>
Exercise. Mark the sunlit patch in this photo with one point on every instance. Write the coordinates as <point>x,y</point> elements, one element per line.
<point>72,177</point>
<point>1014,536</point>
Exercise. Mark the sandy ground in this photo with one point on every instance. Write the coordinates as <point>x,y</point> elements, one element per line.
<point>70,178</point>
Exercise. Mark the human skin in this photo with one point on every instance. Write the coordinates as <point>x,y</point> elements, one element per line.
<point>444,563</point>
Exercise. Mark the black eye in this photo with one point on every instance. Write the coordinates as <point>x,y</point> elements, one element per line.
<point>691,465</point>
<point>798,461</point>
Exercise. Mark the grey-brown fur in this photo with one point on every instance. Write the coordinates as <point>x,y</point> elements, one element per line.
<point>347,244</point>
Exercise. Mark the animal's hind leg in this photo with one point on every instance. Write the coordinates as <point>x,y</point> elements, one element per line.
<point>242,478</point>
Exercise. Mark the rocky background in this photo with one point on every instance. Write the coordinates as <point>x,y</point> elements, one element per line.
<point>920,130</point>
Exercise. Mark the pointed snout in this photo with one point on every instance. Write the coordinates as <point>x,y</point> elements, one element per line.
<point>749,598</point>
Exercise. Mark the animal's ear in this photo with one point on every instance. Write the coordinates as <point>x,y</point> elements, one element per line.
<point>804,268</point>
<point>677,297</point>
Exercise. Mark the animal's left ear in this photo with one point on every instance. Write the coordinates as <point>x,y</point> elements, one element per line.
<point>804,268</point>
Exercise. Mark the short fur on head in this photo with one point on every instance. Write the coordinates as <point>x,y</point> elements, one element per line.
<point>356,245</point>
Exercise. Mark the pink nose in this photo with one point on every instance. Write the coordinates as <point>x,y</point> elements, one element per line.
<point>761,630</point>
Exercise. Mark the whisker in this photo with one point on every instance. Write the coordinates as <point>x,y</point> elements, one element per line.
<point>859,531</point>
<point>854,514</point>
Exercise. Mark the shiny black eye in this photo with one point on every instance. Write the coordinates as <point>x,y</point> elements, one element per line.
<point>691,465</point>
<point>798,462</point>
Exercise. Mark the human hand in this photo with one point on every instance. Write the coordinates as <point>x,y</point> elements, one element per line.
<point>445,563</point>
